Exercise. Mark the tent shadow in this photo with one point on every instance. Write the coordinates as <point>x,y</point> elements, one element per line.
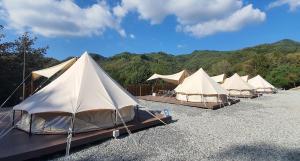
<point>260,151</point>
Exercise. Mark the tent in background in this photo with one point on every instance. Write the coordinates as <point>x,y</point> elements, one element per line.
<point>219,78</point>
<point>237,87</point>
<point>199,87</point>
<point>176,78</point>
<point>83,93</point>
<point>261,85</point>
<point>245,78</point>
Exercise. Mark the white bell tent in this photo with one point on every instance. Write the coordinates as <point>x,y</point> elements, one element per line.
<point>261,85</point>
<point>84,94</point>
<point>199,87</point>
<point>237,87</point>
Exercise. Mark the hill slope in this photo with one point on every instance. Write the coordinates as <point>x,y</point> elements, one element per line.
<point>278,62</point>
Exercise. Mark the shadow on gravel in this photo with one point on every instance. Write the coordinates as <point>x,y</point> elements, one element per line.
<point>260,151</point>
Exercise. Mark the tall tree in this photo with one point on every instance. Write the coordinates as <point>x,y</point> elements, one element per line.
<point>11,63</point>
<point>221,67</point>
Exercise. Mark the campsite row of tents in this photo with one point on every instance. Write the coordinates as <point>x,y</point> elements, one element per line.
<point>85,96</point>
<point>200,87</point>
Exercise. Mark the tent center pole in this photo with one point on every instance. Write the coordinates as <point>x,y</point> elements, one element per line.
<point>137,112</point>
<point>13,119</point>
<point>30,124</point>
<point>116,118</point>
<point>31,87</point>
<point>140,90</point>
<point>24,67</point>
<point>73,125</point>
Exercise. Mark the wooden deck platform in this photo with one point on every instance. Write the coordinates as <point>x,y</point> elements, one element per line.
<point>173,100</point>
<point>18,145</point>
<point>245,96</point>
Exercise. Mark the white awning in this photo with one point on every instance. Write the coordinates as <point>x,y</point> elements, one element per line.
<point>176,78</point>
<point>49,72</point>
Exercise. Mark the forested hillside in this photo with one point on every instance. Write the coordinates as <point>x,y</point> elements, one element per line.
<point>278,62</point>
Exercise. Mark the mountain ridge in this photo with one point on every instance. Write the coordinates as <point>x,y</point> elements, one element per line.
<point>268,60</point>
<point>276,43</point>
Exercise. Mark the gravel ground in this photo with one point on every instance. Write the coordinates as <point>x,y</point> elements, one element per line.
<point>266,128</point>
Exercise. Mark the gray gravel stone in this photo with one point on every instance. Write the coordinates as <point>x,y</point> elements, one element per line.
<point>266,128</point>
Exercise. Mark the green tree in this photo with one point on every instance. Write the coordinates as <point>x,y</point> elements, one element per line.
<point>221,67</point>
<point>11,63</point>
<point>285,76</point>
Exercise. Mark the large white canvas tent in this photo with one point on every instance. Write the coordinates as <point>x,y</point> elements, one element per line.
<point>219,78</point>
<point>261,85</point>
<point>238,87</point>
<point>245,78</point>
<point>199,87</point>
<point>83,93</point>
<point>176,78</point>
<point>49,72</point>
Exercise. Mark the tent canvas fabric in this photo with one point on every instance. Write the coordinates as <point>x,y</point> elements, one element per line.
<point>176,78</point>
<point>238,87</point>
<point>245,78</point>
<point>84,91</point>
<point>261,85</point>
<point>199,87</point>
<point>49,72</point>
<point>219,78</point>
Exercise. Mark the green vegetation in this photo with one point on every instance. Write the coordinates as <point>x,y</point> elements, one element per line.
<point>278,62</point>
<point>11,63</point>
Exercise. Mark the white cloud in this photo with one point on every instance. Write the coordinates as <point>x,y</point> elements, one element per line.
<point>196,17</point>
<point>65,18</point>
<point>58,17</point>
<point>293,4</point>
<point>179,46</point>
<point>132,36</point>
<point>246,15</point>
<point>153,10</point>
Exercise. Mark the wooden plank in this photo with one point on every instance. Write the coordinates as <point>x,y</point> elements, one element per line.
<point>18,145</point>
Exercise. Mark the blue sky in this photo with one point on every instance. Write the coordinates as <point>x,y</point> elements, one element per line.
<point>142,26</point>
